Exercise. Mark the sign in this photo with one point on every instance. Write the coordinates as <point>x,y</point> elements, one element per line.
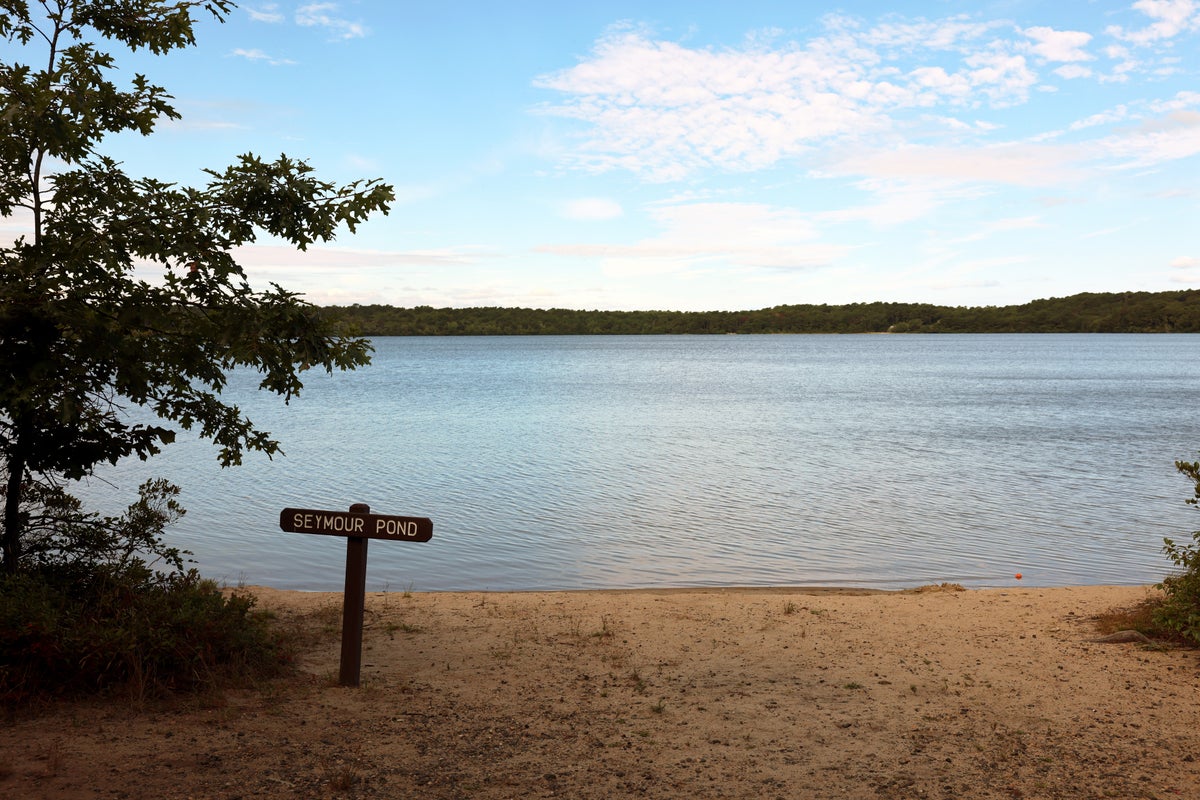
<point>357,525</point>
<point>350,523</point>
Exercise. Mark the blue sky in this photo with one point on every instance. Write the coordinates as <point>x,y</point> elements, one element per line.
<point>704,155</point>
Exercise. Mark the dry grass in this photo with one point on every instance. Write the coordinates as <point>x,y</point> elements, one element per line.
<point>937,587</point>
<point>1138,618</point>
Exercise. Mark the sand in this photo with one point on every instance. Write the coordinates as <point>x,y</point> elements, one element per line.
<point>774,693</point>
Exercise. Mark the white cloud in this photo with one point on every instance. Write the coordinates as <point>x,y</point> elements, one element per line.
<point>270,259</point>
<point>1002,76</point>
<point>1185,262</point>
<point>259,55</point>
<point>1053,45</point>
<point>1181,100</point>
<point>1169,138</point>
<point>1072,71</point>
<point>896,202</point>
<point>268,12</point>
<point>593,209</point>
<point>1171,18</point>
<point>947,34</point>
<point>1029,165</point>
<point>664,111</point>
<point>1103,118</point>
<point>320,15</point>
<point>698,235</point>
<point>999,226</point>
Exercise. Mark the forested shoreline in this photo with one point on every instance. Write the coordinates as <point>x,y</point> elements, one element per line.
<point>1125,312</point>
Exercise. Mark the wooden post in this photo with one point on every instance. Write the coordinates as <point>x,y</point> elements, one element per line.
<point>357,525</point>
<point>353,604</point>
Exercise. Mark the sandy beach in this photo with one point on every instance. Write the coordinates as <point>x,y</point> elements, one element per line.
<point>722,693</point>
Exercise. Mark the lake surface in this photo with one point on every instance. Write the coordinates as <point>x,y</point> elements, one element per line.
<point>614,462</point>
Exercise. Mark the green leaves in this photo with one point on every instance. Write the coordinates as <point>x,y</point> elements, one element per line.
<point>83,333</point>
<point>1180,609</point>
<point>284,199</point>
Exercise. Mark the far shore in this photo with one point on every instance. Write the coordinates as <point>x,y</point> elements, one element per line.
<point>796,692</point>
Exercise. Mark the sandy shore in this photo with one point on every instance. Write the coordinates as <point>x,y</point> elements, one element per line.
<point>698,693</point>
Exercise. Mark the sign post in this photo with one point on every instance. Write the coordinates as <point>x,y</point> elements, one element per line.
<point>357,525</point>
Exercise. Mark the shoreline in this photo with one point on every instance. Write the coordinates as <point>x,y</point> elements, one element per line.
<point>797,589</point>
<point>708,692</point>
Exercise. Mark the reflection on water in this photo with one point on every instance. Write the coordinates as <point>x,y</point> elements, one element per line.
<point>582,462</point>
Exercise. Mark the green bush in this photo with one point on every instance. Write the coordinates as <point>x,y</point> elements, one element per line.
<point>1180,610</point>
<point>130,628</point>
<point>103,603</point>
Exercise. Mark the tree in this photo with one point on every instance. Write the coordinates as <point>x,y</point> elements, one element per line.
<point>82,336</point>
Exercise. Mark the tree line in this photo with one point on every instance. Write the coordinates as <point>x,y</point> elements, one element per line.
<point>1113,312</point>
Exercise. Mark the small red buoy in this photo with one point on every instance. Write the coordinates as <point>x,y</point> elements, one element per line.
<point>1017,576</point>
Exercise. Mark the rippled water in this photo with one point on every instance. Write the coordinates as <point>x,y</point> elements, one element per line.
<point>583,462</point>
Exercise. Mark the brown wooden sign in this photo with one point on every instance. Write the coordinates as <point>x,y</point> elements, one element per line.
<point>357,525</point>
<point>349,523</point>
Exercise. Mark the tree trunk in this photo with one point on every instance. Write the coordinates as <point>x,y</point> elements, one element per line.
<point>13,527</point>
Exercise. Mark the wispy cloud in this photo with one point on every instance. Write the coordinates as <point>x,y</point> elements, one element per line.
<point>1170,18</point>
<point>258,55</point>
<point>593,209</point>
<point>323,15</point>
<point>999,226</point>
<point>664,111</point>
<point>699,235</point>
<point>267,12</point>
<point>1164,139</point>
<point>1185,269</point>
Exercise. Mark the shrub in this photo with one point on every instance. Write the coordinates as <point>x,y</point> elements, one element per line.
<point>1180,610</point>
<point>132,628</point>
<point>103,602</point>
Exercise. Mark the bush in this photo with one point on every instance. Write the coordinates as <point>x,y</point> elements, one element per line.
<point>131,628</point>
<point>1180,610</point>
<point>104,602</point>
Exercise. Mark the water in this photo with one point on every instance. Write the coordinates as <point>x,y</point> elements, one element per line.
<point>612,462</point>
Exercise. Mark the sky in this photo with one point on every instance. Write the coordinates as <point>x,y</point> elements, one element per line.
<point>687,155</point>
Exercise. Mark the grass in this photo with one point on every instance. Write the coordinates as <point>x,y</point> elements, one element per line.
<point>391,628</point>
<point>1144,617</point>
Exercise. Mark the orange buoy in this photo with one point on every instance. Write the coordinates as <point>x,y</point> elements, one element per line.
<point>1018,576</point>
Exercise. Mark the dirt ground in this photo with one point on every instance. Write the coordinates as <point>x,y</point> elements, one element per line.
<point>780,693</point>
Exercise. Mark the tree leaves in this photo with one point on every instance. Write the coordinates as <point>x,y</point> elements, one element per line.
<point>82,335</point>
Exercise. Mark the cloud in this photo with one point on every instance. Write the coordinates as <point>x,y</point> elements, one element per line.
<point>999,226</point>
<point>1169,138</point>
<point>1072,71</point>
<point>1104,117</point>
<point>1185,262</point>
<point>1012,164</point>
<point>1053,45</point>
<point>319,15</point>
<point>269,258</point>
<point>259,55</point>
<point>665,111</point>
<point>593,209</point>
<point>1182,100</point>
<point>699,235</point>
<point>1171,18</point>
<point>896,202</point>
<point>268,12</point>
